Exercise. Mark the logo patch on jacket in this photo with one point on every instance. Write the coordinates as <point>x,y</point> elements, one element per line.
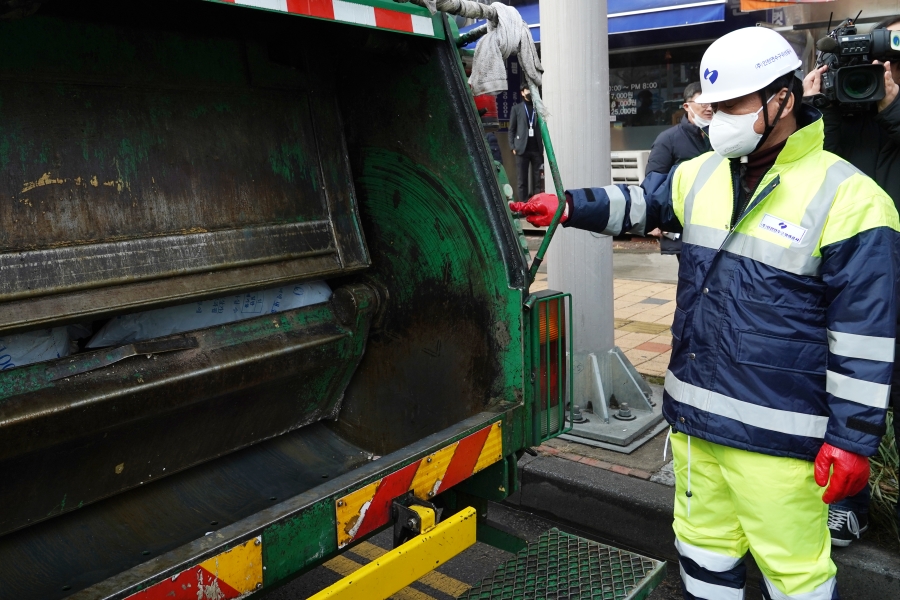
<point>782,228</point>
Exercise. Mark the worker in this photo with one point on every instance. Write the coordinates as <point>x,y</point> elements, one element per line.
<point>783,336</point>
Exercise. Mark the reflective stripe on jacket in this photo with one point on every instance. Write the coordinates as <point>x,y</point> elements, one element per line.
<point>783,334</point>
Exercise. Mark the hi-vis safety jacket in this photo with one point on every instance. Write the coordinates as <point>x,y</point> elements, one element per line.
<point>783,335</point>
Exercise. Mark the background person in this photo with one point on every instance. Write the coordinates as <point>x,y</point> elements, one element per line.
<point>783,336</point>
<point>686,140</point>
<point>682,142</point>
<point>525,141</point>
<point>870,140</point>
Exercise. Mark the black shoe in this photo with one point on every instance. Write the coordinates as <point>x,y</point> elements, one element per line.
<point>845,525</point>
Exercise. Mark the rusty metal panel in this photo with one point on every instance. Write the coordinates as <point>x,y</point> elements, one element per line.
<point>446,341</point>
<point>449,342</point>
<point>91,163</point>
<point>47,271</point>
<point>57,558</point>
<point>69,441</point>
<point>84,305</point>
<point>148,151</point>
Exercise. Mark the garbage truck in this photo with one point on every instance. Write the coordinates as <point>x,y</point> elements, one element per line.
<point>174,174</point>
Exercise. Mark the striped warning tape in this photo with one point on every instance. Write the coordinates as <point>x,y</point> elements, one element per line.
<point>228,575</point>
<point>348,12</point>
<point>368,508</point>
<point>239,571</point>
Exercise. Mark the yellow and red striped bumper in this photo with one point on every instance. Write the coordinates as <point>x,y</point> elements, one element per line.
<point>368,508</point>
<point>239,571</point>
<point>229,575</point>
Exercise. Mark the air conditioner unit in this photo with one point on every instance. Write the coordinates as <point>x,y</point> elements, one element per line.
<point>629,166</point>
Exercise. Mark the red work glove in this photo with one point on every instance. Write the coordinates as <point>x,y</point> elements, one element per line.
<point>539,209</point>
<point>850,476</point>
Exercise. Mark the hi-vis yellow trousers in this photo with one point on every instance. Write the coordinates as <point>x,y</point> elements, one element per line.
<point>729,501</point>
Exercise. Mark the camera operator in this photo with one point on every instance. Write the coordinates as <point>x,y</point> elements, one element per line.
<point>870,140</point>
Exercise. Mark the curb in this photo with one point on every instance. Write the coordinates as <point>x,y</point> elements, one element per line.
<point>593,462</point>
<point>636,515</point>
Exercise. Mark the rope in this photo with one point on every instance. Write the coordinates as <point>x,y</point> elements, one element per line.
<point>688,492</point>
<point>464,8</point>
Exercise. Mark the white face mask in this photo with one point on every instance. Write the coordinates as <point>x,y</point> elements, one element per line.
<point>698,120</point>
<point>733,136</point>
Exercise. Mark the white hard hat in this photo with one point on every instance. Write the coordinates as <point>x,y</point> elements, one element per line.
<point>744,61</point>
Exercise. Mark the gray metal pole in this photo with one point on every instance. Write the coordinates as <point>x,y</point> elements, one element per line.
<point>574,52</point>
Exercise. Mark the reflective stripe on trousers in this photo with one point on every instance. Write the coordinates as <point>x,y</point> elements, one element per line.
<point>745,501</point>
<point>709,575</point>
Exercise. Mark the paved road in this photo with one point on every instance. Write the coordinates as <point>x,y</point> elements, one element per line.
<point>453,578</point>
<point>645,267</point>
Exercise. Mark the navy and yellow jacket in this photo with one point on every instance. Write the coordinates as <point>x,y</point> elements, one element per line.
<point>783,335</point>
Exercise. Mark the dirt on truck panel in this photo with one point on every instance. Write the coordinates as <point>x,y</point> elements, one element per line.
<point>194,151</point>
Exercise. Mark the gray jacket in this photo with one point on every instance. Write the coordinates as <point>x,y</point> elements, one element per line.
<point>518,129</point>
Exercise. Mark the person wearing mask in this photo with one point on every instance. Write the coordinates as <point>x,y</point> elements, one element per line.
<point>783,336</point>
<point>525,141</point>
<point>673,146</point>
<point>686,140</point>
<point>870,141</point>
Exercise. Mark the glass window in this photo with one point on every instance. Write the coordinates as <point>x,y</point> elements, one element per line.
<point>646,91</point>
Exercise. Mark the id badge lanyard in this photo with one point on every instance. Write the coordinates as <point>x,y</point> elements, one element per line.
<point>530,120</point>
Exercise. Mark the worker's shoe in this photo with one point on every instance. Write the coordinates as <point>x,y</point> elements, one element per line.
<point>845,525</point>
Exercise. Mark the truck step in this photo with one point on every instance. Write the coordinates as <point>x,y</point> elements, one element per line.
<point>559,565</point>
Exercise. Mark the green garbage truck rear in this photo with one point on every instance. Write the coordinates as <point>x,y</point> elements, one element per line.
<point>202,154</point>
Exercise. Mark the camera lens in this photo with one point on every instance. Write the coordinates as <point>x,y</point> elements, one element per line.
<point>859,85</point>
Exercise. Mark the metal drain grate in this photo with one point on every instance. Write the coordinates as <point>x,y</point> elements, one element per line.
<point>561,566</point>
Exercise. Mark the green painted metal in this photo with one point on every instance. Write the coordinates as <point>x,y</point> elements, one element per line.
<point>449,340</point>
<point>498,538</point>
<point>414,149</point>
<point>563,566</point>
<point>548,411</point>
<point>298,542</point>
<point>557,184</point>
<point>494,483</point>
<point>504,183</point>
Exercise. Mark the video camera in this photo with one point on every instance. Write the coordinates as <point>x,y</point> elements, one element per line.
<point>851,80</point>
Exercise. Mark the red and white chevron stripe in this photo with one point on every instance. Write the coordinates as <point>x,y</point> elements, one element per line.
<point>348,12</point>
<point>368,508</point>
